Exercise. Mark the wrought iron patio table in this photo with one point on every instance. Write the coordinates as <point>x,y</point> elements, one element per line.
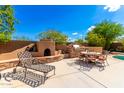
<point>91,57</point>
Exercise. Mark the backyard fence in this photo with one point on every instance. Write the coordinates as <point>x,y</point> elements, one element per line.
<point>10,49</point>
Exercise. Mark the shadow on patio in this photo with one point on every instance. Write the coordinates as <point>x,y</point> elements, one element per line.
<point>85,66</point>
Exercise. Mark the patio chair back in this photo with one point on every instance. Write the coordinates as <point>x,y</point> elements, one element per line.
<point>105,52</point>
<point>25,58</point>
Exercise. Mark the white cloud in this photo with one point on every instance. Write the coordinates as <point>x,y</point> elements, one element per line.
<point>80,35</point>
<point>91,28</point>
<point>121,36</point>
<point>75,33</point>
<point>112,8</point>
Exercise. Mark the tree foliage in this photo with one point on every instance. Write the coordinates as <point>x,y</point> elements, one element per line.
<point>7,22</point>
<point>57,36</point>
<point>95,40</point>
<point>106,32</point>
<point>120,40</point>
<point>79,41</point>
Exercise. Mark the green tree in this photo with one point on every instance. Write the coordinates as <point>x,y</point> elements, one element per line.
<point>95,40</point>
<point>79,41</point>
<point>120,40</point>
<point>57,36</point>
<point>109,31</point>
<point>7,21</point>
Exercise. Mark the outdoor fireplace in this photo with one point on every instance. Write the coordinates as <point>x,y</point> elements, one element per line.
<point>47,52</point>
<point>46,47</point>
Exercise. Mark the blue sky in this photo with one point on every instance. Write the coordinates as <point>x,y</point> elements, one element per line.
<point>75,21</point>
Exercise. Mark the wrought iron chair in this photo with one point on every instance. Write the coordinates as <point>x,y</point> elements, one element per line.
<point>102,59</point>
<point>83,60</point>
<point>28,62</point>
<point>106,53</point>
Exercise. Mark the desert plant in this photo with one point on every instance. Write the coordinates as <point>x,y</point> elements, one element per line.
<point>79,41</point>
<point>95,40</point>
<point>108,31</point>
<point>55,35</point>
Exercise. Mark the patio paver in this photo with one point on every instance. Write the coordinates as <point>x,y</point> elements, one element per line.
<point>68,75</point>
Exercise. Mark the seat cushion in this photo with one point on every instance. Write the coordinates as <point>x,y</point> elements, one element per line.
<point>42,68</point>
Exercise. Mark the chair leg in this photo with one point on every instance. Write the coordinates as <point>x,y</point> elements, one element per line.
<point>80,65</point>
<point>103,66</point>
<point>14,70</point>
<point>87,63</point>
<point>0,76</point>
<point>25,72</point>
<point>107,62</point>
<point>54,71</point>
<point>45,74</point>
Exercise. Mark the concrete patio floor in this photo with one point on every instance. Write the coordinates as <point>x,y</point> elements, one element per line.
<point>68,75</point>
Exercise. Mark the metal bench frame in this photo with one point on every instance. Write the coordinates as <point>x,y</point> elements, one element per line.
<point>26,61</point>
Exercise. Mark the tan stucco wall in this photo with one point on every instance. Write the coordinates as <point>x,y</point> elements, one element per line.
<point>10,49</point>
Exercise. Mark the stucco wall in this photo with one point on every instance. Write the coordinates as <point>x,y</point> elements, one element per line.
<point>10,49</point>
<point>92,49</point>
<point>63,48</point>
